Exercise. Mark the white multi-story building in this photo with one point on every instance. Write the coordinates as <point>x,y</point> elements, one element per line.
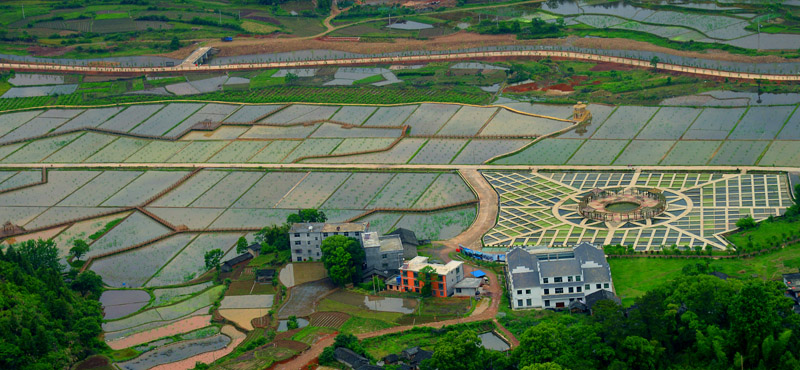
<point>306,239</point>
<point>554,277</point>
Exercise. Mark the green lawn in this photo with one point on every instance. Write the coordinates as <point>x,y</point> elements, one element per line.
<point>359,325</point>
<point>331,305</point>
<point>635,276</point>
<point>765,234</point>
<point>309,333</point>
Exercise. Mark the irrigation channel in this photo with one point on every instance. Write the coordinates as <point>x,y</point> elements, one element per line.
<point>776,72</point>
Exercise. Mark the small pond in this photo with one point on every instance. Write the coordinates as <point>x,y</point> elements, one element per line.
<point>490,340</point>
<point>283,325</point>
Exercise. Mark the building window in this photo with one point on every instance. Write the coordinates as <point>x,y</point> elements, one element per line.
<point>519,291</point>
<point>605,285</point>
<point>307,235</point>
<point>405,281</point>
<point>597,286</point>
<point>316,238</point>
<point>559,290</point>
<point>527,291</point>
<point>557,279</point>
<point>578,289</point>
<point>572,299</point>
<point>546,280</point>
<point>298,251</point>
<point>578,278</point>
<point>571,290</point>
<point>324,235</point>
<point>547,291</point>
<point>297,242</point>
<point>569,279</point>
<point>547,303</point>
<point>587,286</point>
<point>308,242</point>
<point>346,233</point>
<point>297,235</point>
<point>528,301</point>
<point>299,259</point>
<point>383,256</point>
<point>519,303</point>
<point>356,233</point>
<point>416,290</point>
<point>458,290</point>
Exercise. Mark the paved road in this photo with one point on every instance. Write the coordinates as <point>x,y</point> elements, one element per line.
<point>185,67</point>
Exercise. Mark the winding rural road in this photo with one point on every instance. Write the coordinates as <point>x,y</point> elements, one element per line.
<point>509,54</point>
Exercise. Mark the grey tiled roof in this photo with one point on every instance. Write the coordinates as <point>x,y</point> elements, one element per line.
<point>596,274</point>
<point>569,267</point>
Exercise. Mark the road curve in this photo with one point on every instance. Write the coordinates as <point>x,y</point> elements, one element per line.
<point>185,67</point>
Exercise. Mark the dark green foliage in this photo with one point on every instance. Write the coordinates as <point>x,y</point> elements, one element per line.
<point>458,350</point>
<point>108,226</point>
<point>342,257</point>
<point>307,215</point>
<point>43,324</point>
<point>241,245</point>
<point>695,322</point>
<point>746,223</point>
<point>535,30</point>
<point>429,275</point>
<point>79,248</point>
<point>212,258</point>
<point>276,236</point>
<point>292,323</point>
<point>175,44</point>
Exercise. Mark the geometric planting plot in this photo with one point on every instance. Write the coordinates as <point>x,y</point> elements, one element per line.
<point>82,230</point>
<point>313,190</point>
<point>165,119</point>
<point>10,121</point>
<point>761,123</point>
<point>479,151</point>
<point>274,152</point>
<point>145,186</point>
<point>429,118</point>
<point>172,295</point>
<point>353,115</point>
<point>391,116</point>
<point>37,150</point>
<point>130,117</point>
<point>669,123</point>
<point>400,153</point>
<point>167,313</point>
<point>334,130</point>
<point>133,230</point>
<point>599,152</point>
<point>781,153</point>
<point>198,151</point>
<point>80,149</point>
<point>508,123</point>
<point>189,190</point>
<point>132,269</point>
<point>438,151</point>
<point>313,147</point>
<point>403,190</point>
<point>357,191</point>
<point>739,153</point>
<point>249,113</point>
<point>228,190</point>
<point>279,132</point>
<point>269,190</point>
<point>644,152</point>
<point>35,127</point>
<point>467,121</point>
<point>156,152</point>
<point>99,189</point>
<point>448,188</point>
<point>547,151</point>
<point>250,217</point>
<point>238,152</point>
<point>301,113</point>
<point>791,131</point>
<point>362,144</point>
<point>189,264</point>
<point>625,123</point>
<point>691,153</point>
<point>211,113</point>
<point>59,185</point>
<point>90,118</point>
<point>15,179</point>
<point>714,123</point>
<point>440,225</point>
<point>195,219</point>
<point>117,151</point>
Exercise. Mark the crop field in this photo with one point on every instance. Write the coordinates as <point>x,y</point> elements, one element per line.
<point>480,151</point>
<point>403,190</point>
<point>274,152</point>
<point>132,269</point>
<point>334,130</point>
<point>440,225</point>
<point>438,151</point>
<point>240,152</point>
<point>166,296</point>
<point>625,123</point>
<point>135,229</point>
<point>362,144</point>
<point>781,153</point>
<point>166,118</point>
<point>714,123</point>
<point>59,185</point>
<point>35,127</point>
<point>400,153</point>
<point>353,115</point>
<point>791,131</point>
<point>145,186</point>
<point>693,214</point>
<point>391,116</point>
<point>739,153</point>
<point>544,152</point>
<point>196,219</point>
<point>166,313</point>
<point>156,152</point>
<point>189,263</point>
<point>599,152</point>
<point>508,123</point>
<point>669,123</point>
<point>82,148</point>
<point>429,118</point>
<point>301,113</point>
<point>13,179</point>
<point>644,152</point>
<point>600,113</point>
<point>89,118</point>
<point>269,190</point>
<point>210,112</point>
<point>99,189</point>
<point>691,153</point>
<point>468,121</point>
<point>313,190</point>
<point>227,190</point>
<point>358,190</point>
<point>11,121</point>
<point>448,188</point>
<point>272,132</point>
<point>761,123</point>
<point>126,120</point>
<point>250,113</point>
<point>190,190</point>
<point>222,133</point>
<point>197,151</point>
<point>117,151</point>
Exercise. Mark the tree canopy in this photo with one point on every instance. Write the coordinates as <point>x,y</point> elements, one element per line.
<point>307,215</point>
<point>43,323</point>
<point>343,257</point>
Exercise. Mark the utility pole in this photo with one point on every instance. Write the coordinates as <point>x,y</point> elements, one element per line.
<point>23,11</point>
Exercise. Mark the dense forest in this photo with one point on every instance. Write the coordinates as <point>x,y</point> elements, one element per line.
<point>48,320</point>
<point>696,322</point>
